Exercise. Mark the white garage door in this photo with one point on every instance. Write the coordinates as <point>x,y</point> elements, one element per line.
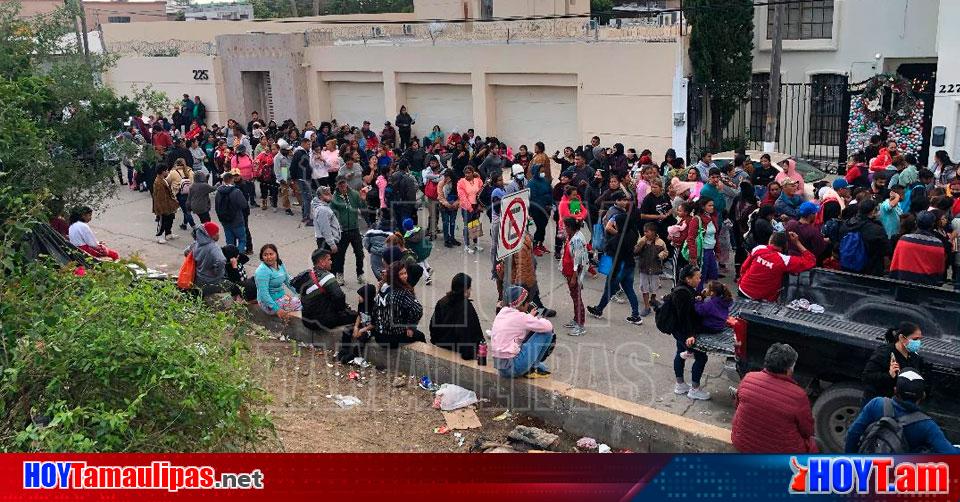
<point>354,102</point>
<point>527,114</point>
<point>449,106</point>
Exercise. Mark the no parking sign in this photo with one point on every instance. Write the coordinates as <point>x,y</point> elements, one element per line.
<point>513,222</point>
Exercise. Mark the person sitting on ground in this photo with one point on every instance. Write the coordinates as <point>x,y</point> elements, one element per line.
<point>398,311</point>
<point>82,236</point>
<point>523,272</point>
<point>901,350</point>
<point>211,263</point>
<point>773,413</point>
<point>521,341</point>
<point>920,256</point>
<point>272,284</point>
<point>355,337</point>
<point>236,272</point>
<point>455,324</point>
<point>761,277</point>
<point>415,238</point>
<point>921,433</point>
<point>324,303</point>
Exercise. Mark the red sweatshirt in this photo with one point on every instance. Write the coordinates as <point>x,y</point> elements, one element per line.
<point>761,276</point>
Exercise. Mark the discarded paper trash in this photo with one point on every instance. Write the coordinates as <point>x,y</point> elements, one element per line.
<point>453,397</point>
<point>359,361</point>
<point>464,418</point>
<point>503,416</point>
<point>346,401</point>
<point>587,443</point>
<point>353,375</point>
<point>534,436</point>
<point>602,448</point>
<point>443,429</point>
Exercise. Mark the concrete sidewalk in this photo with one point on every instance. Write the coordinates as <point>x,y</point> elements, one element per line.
<point>617,359</point>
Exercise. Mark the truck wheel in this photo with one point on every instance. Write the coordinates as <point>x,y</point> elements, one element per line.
<point>833,413</point>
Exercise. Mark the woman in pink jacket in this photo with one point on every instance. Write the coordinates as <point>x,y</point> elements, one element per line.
<point>520,341</point>
<point>242,163</point>
<point>467,190</point>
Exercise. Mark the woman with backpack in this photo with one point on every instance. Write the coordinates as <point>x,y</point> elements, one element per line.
<point>901,350</point>
<point>677,317</point>
<point>180,179</point>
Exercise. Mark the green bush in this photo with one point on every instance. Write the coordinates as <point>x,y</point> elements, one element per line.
<point>106,363</point>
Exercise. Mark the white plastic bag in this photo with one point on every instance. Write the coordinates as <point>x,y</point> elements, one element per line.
<point>454,397</point>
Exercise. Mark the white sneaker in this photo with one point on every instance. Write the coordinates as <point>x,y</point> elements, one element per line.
<point>619,297</point>
<point>469,249</point>
<point>698,394</point>
<point>578,331</point>
<point>477,248</point>
<point>173,237</point>
<point>161,240</point>
<point>571,324</point>
<point>681,389</point>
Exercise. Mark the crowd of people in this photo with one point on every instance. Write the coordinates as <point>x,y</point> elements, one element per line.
<point>389,195</point>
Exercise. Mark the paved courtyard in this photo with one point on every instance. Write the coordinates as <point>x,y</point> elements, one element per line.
<point>615,358</point>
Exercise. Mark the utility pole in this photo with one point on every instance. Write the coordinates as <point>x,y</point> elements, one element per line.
<point>772,123</point>
<point>293,8</point>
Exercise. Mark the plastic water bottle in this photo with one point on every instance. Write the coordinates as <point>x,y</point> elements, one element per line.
<point>482,354</point>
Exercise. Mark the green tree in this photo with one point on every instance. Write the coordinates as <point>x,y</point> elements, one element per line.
<point>601,9</point>
<point>721,50</point>
<point>263,9</point>
<point>99,361</point>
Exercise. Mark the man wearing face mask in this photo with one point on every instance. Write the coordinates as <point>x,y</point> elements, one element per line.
<point>773,412</point>
<point>901,350</point>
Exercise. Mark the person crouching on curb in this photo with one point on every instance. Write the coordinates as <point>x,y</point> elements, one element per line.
<point>520,341</point>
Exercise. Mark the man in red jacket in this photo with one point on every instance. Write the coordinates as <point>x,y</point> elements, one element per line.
<point>773,412</point>
<point>761,276</point>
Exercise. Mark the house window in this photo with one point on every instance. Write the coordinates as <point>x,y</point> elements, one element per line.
<point>759,98</point>
<point>805,20</point>
<point>118,19</point>
<point>826,109</point>
<point>486,9</point>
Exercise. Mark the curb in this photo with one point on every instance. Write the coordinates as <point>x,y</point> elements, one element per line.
<point>615,421</point>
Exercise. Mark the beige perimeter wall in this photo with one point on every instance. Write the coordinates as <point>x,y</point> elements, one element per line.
<point>617,96</point>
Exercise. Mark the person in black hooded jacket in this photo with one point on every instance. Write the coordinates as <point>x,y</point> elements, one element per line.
<point>355,337</point>
<point>455,324</point>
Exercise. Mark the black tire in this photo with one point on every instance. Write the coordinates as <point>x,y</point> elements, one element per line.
<point>833,412</point>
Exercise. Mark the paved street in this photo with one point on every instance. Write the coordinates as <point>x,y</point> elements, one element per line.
<point>616,358</point>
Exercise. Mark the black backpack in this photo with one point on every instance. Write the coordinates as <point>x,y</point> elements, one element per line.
<point>665,316</point>
<point>885,436</point>
<point>224,206</point>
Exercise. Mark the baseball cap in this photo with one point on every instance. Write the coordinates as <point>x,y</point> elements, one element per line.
<point>910,384</point>
<point>840,184</point>
<point>324,190</point>
<point>807,209</point>
<point>516,169</point>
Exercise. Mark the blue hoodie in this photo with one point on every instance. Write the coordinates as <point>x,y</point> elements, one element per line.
<point>541,194</point>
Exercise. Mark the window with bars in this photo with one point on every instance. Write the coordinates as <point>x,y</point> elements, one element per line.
<point>805,20</point>
<point>826,109</point>
<point>118,19</point>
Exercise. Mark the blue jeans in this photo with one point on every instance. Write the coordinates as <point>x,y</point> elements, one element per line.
<point>236,235</point>
<point>699,363</point>
<point>187,215</point>
<point>709,271</point>
<point>623,280</point>
<point>306,195</point>
<point>532,354</point>
<point>449,223</point>
<point>468,216</point>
